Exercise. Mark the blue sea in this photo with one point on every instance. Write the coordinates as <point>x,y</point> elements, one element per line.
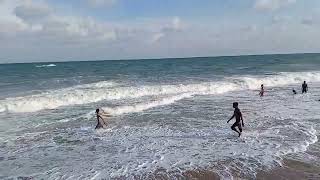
<point>169,116</point>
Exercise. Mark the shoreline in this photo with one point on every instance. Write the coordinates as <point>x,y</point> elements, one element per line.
<point>293,170</point>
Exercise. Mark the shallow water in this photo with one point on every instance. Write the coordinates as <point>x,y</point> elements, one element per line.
<point>167,114</point>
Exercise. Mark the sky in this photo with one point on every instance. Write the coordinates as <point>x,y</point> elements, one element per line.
<point>77,30</point>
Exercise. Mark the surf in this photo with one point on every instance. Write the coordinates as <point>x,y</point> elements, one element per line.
<point>96,92</point>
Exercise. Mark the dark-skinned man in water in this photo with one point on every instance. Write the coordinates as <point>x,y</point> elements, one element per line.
<point>304,87</point>
<point>238,115</point>
<point>100,121</point>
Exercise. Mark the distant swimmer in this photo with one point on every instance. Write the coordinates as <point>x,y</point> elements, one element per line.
<point>238,115</point>
<point>294,91</point>
<point>304,87</point>
<point>261,91</point>
<point>100,121</point>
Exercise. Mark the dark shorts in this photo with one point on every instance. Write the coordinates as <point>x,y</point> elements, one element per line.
<point>237,124</point>
<point>304,91</point>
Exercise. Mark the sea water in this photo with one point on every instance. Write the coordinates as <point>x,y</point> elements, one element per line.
<point>169,116</point>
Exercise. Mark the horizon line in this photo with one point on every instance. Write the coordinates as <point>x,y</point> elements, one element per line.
<point>162,58</point>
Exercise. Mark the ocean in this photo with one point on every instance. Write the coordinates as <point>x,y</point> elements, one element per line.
<point>169,117</point>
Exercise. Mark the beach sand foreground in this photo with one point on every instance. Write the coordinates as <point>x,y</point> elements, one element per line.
<point>293,170</point>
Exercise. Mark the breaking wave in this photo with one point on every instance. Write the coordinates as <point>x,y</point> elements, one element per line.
<point>144,106</point>
<point>90,93</point>
<point>46,65</point>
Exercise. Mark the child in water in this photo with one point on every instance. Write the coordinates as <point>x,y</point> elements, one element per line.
<point>261,91</point>
<point>100,121</point>
<point>238,115</point>
<point>294,91</point>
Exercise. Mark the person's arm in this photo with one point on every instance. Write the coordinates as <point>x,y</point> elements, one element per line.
<point>231,118</point>
<point>105,114</point>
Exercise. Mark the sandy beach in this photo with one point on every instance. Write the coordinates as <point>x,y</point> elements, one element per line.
<point>293,170</point>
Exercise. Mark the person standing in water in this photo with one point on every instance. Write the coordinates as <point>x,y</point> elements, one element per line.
<point>239,120</point>
<point>100,121</point>
<point>261,91</point>
<point>304,87</point>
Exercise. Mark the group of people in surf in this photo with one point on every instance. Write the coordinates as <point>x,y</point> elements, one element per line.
<point>238,115</point>
<point>304,88</point>
<point>101,123</point>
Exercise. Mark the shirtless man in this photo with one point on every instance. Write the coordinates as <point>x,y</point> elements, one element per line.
<point>304,87</point>
<point>261,91</point>
<point>100,121</point>
<point>238,115</point>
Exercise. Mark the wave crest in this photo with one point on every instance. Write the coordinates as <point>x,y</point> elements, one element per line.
<point>46,65</point>
<point>90,93</point>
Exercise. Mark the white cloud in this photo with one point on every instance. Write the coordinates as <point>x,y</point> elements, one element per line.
<point>271,4</point>
<point>176,23</point>
<point>156,37</point>
<point>307,21</point>
<point>11,28</point>
<point>281,19</point>
<point>32,29</point>
<point>35,25</point>
<point>173,26</point>
<point>311,20</point>
<point>9,22</point>
<point>30,17</point>
<point>32,11</point>
<point>41,20</point>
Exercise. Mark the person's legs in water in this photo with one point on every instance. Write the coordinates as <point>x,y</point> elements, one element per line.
<point>98,126</point>
<point>240,129</point>
<point>233,127</point>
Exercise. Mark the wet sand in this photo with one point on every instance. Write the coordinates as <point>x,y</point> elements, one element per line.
<point>291,170</point>
<point>162,174</point>
<point>205,175</point>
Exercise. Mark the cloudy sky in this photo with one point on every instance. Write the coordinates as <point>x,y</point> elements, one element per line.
<point>63,30</point>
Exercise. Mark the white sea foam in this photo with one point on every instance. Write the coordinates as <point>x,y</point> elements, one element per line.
<point>132,148</point>
<point>280,79</point>
<point>144,106</point>
<point>76,95</point>
<point>179,151</point>
<point>90,93</point>
<point>46,65</point>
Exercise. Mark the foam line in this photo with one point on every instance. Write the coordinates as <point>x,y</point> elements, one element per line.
<point>145,106</point>
<point>46,65</point>
<point>90,93</point>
